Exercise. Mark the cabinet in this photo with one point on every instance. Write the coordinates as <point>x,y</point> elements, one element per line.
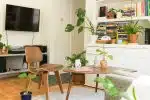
<point>126,56</point>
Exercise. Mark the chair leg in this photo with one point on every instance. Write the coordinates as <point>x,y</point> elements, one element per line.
<point>46,84</point>
<point>96,84</point>
<point>59,81</point>
<point>41,80</point>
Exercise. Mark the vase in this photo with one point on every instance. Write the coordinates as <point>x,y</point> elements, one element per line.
<point>103,64</point>
<point>133,38</point>
<point>93,39</point>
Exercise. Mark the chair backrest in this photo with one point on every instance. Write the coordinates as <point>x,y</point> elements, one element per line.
<point>33,54</point>
<point>33,58</point>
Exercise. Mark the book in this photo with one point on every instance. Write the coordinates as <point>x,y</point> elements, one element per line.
<point>102,11</point>
<point>143,7</point>
<point>139,8</point>
<point>148,7</point>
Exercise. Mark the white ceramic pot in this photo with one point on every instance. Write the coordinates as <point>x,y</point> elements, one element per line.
<point>119,15</point>
<point>93,39</point>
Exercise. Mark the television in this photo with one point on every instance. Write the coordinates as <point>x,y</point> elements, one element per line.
<point>22,18</point>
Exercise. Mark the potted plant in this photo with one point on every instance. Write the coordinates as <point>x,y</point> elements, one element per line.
<point>103,62</point>
<point>6,48</point>
<point>77,78</point>
<point>26,94</point>
<point>112,90</point>
<point>133,30</point>
<point>71,60</point>
<point>83,20</point>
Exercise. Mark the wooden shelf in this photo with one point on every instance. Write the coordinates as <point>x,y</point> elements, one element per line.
<point>102,19</point>
<point>114,1</point>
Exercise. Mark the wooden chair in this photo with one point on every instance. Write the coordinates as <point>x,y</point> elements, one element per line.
<point>33,59</point>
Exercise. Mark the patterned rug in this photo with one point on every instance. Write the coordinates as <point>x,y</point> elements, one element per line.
<point>77,93</point>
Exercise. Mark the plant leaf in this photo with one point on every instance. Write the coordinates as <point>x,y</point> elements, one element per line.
<point>80,21</point>
<point>69,28</point>
<point>80,13</point>
<point>80,29</point>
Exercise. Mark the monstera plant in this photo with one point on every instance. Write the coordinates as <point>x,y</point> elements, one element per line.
<point>83,23</point>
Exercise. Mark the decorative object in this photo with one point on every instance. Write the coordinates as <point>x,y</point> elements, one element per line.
<point>111,14</point>
<point>83,20</point>
<point>103,62</point>
<point>26,94</point>
<point>103,11</point>
<point>77,63</point>
<point>133,30</point>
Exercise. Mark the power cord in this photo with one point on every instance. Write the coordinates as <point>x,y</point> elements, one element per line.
<point>33,38</point>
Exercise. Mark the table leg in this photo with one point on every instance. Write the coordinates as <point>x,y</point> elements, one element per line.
<point>69,88</point>
<point>96,84</point>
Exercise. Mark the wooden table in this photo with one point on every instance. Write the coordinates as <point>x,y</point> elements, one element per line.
<point>92,70</point>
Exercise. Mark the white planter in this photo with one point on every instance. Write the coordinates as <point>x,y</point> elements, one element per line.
<point>119,15</point>
<point>93,39</point>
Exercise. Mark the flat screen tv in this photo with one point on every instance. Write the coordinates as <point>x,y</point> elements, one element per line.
<point>22,18</point>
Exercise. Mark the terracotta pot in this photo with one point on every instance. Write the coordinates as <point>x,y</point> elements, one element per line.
<point>113,41</point>
<point>1,51</point>
<point>5,50</point>
<point>133,38</point>
<point>103,64</point>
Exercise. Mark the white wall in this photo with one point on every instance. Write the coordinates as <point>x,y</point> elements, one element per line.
<point>21,38</point>
<point>77,39</point>
<point>57,15</point>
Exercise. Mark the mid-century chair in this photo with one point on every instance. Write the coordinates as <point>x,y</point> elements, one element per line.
<point>33,59</point>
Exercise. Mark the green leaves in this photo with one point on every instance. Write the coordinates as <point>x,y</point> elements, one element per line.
<point>108,86</point>
<point>133,93</point>
<point>69,28</point>
<point>104,53</point>
<point>132,28</point>
<point>80,21</point>
<point>80,13</point>
<point>25,75</point>
<point>80,29</point>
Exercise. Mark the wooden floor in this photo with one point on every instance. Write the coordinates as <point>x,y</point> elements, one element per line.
<point>10,88</point>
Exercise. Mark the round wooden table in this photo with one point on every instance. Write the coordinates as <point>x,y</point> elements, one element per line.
<point>91,70</point>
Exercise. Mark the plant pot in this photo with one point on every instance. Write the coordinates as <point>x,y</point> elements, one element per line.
<point>1,51</point>
<point>103,64</point>
<point>133,38</point>
<point>113,41</point>
<point>93,39</point>
<point>5,50</point>
<point>26,96</point>
<point>119,14</point>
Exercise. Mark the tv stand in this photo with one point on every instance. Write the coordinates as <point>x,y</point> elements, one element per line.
<point>15,63</point>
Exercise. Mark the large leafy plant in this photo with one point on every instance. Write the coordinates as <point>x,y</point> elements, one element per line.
<point>132,28</point>
<point>74,57</point>
<point>112,90</point>
<point>82,19</point>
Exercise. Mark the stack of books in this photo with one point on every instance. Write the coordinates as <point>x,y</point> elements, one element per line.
<point>143,8</point>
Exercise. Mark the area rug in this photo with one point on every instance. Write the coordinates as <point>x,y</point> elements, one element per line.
<point>77,93</point>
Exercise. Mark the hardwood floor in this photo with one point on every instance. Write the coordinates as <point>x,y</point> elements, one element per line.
<point>10,88</point>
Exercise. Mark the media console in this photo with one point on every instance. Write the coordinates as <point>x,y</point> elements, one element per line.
<point>14,61</point>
